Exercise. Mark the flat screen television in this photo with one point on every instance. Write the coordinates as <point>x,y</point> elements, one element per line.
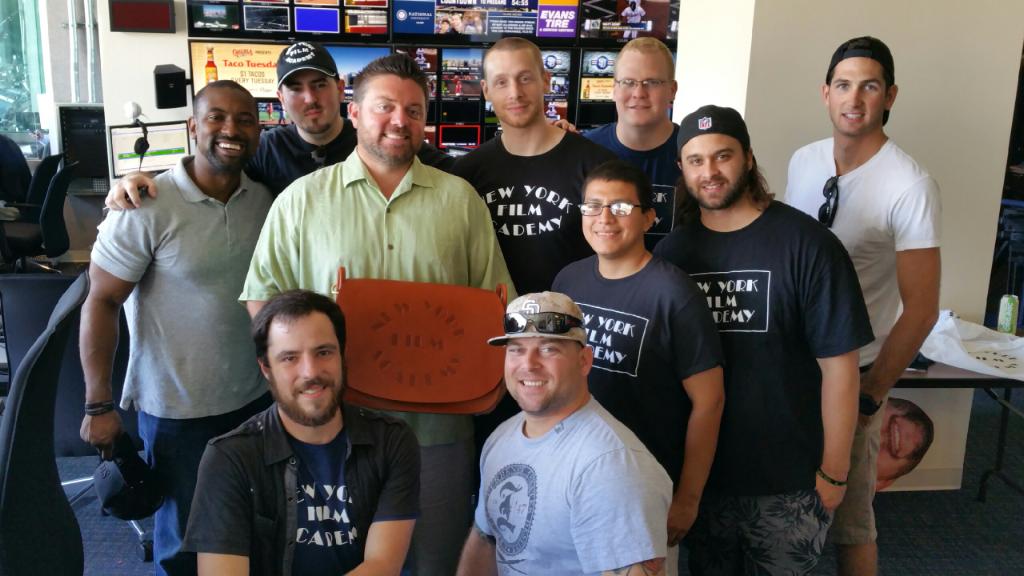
<point>546,22</point>
<point>351,59</point>
<point>320,20</point>
<point>168,143</point>
<point>619,21</point>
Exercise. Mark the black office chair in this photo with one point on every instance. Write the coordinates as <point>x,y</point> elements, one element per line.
<point>38,530</point>
<point>32,204</point>
<point>48,236</point>
<point>26,302</point>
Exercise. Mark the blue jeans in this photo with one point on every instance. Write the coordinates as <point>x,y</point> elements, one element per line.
<point>173,449</point>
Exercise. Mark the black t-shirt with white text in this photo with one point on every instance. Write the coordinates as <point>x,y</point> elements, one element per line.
<point>534,203</point>
<point>649,331</point>
<point>783,293</point>
<point>326,541</point>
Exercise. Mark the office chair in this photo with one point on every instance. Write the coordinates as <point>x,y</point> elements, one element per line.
<point>26,301</point>
<point>39,533</point>
<point>32,204</point>
<point>49,235</point>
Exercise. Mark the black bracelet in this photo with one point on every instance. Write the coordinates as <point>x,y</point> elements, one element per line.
<point>829,479</point>
<point>98,408</point>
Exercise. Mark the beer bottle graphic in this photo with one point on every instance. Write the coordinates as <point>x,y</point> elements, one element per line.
<point>211,66</point>
<point>586,91</point>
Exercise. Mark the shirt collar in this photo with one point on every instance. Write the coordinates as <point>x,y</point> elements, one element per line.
<point>353,170</point>
<point>276,447</point>
<point>190,192</point>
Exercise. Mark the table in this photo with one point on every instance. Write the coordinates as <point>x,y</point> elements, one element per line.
<point>946,376</point>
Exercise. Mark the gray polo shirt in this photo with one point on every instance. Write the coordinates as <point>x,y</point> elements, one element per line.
<point>191,353</point>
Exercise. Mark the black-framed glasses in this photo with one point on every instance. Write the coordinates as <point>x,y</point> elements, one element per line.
<point>618,208</point>
<point>543,322</point>
<point>828,209</point>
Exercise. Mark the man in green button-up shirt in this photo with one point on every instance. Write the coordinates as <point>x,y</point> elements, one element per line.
<point>383,214</point>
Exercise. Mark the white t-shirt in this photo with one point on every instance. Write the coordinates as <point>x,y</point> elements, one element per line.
<point>887,205</point>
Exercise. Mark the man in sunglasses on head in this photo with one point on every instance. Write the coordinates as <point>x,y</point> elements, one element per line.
<point>656,352</point>
<point>791,317</point>
<point>565,487</point>
<point>885,209</point>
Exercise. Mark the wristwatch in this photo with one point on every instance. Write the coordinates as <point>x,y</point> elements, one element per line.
<point>868,405</point>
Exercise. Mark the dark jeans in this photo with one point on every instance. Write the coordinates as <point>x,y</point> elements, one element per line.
<point>173,449</point>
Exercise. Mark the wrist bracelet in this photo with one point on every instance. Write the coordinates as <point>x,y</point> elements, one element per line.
<point>829,479</point>
<point>98,408</point>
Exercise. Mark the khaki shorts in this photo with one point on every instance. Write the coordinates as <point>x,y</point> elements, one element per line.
<point>854,521</point>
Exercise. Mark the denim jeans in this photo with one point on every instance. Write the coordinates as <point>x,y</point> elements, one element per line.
<point>173,449</point>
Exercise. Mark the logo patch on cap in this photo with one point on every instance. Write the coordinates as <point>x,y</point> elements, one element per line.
<point>531,307</point>
<point>704,123</point>
<point>299,52</point>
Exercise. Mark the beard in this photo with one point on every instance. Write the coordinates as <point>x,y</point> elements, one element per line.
<point>306,417</point>
<point>733,194</point>
<point>229,165</point>
<point>390,156</point>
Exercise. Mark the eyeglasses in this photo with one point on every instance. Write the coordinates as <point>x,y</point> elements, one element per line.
<point>543,322</point>
<point>620,208</point>
<point>649,84</point>
<point>828,209</point>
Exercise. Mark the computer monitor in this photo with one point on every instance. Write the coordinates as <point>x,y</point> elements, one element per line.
<point>168,143</point>
<point>83,138</point>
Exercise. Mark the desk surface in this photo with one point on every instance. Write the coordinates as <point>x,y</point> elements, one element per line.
<point>946,376</point>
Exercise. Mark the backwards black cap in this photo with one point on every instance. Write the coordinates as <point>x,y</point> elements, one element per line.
<point>711,119</point>
<point>866,47</point>
<point>126,486</point>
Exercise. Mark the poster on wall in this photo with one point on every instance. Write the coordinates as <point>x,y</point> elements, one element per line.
<point>251,65</point>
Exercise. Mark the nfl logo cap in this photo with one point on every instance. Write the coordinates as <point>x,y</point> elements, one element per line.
<point>713,119</point>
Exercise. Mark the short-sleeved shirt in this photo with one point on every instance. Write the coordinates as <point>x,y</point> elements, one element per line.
<point>283,156</point>
<point>886,205</point>
<point>191,354</point>
<point>661,166</point>
<point>783,293</point>
<point>584,498</point>
<point>246,494</point>
<point>534,204</point>
<point>434,228</point>
<point>649,331</point>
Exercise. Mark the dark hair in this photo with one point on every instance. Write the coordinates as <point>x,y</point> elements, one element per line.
<point>292,305</point>
<point>866,47</point>
<point>913,413</point>
<point>754,182</point>
<point>622,171</point>
<point>397,64</point>
<point>220,85</point>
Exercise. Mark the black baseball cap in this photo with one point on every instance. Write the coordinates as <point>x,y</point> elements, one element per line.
<point>305,56</point>
<point>711,119</point>
<point>866,47</point>
<point>126,486</point>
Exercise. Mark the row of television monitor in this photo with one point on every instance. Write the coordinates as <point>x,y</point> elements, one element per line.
<point>458,117</point>
<point>547,22</point>
<point>580,88</point>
